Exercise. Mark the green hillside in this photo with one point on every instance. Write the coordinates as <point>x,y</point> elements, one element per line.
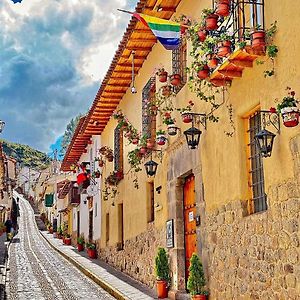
<point>26,155</point>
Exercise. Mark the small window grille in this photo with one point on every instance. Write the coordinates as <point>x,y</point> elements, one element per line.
<point>148,121</point>
<point>179,63</point>
<point>259,198</point>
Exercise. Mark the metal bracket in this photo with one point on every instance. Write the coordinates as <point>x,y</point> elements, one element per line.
<point>199,119</point>
<point>269,118</point>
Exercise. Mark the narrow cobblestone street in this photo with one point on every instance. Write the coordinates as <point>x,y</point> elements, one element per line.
<point>38,272</point>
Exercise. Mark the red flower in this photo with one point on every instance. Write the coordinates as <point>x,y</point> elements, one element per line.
<point>167,115</point>
<point>293,93</point>
<point>272,109</point>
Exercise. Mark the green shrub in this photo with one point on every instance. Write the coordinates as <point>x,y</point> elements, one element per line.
<point>196,281</point>
<point>80,240</point>
<point>162,269</point>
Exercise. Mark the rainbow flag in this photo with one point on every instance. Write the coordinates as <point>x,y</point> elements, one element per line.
<point>167,32</point>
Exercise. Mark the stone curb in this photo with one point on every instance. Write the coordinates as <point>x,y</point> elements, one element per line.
<point>106,286</point>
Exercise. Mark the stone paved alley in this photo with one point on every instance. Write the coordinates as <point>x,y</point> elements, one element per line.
<point>39,272</point>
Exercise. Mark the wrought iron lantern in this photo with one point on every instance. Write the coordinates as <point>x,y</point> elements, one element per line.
<point>151,167</point>
<point>192,137</point>
<point>2,124</point>
<point>264,140</point>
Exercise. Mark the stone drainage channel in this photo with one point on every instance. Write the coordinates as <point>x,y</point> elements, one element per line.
<point>38,272</point>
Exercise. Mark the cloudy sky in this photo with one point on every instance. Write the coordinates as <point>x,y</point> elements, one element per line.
<point>53,56</point>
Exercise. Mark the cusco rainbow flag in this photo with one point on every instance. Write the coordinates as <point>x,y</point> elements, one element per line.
<point>167,32</point>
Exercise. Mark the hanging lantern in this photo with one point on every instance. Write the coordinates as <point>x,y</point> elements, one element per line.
<point>151,167</point>
<point>264,141</point>
<point>192,137</point>
<point>2,124</point>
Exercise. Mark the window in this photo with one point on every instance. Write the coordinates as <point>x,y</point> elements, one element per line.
<point>107,228</point>
<point>258,201</point>
<point>148,121</point>
<point>118,149</point>
<point>179,63</point>
<point>150,202</point>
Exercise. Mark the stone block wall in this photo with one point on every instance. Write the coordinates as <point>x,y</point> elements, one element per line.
<point>138,254</point>
<point>255,256</point>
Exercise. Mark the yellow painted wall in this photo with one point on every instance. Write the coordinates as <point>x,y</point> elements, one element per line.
<point>223,158</point>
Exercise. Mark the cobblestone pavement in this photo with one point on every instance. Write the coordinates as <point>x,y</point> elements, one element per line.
<point>38,272</point>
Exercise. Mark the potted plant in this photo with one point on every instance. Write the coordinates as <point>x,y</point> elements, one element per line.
<point>224,45</point>
<point>223,8</point>
<point>210,19</point>
<point>196,280</point>
<point>162,272</point>
<point>170,122</point>
<point>60,232</point>
<point>150,143</point>
<point>175,79</point>
<point>202,34</point>
<point>91,250</point>
<point>101,163</point>
<point>202,70</point>
<point>258,38</point>
<point>162,75</point>
<point>161,137</point>
<point>166,90</point>
<point>67,239</point>
<point>212,61</point>
<point>80,243</point>
<point>288,109</point>
<point>186,115</point>
<point>143,144</point>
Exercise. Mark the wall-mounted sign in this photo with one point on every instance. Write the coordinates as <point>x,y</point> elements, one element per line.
<point>191,216</point>
<point>170,233</point>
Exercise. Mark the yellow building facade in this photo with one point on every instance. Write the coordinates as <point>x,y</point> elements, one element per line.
<point>247,237</point>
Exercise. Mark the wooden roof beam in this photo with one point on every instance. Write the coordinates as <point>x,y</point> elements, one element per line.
<point>139,48</point>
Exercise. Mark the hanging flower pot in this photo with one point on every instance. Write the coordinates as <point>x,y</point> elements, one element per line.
<point>143,150</point>
<point>172,129</point>
<point>161,140</point>
<point>258,40</point>
<point>203,73</point>
<point>135,141</point>
<point>150,144</point>
<point>110,158</point>
<point>119,175</point>
<point>101,163</point>
<point>175,79</point>
<point>163,76</point>
<point>202,35</point>
<point>187,117</point>
<point>223,9</point>
<point>211,22</point>
<point>97,174</point>
<point>166,90</point>
<point>290,116</point>
<point>213,63</point>
<point>224,48</point>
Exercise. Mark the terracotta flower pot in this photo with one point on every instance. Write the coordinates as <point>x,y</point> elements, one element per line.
<point>101,163</point>
<point>162,289</point>
<point>223,51</point>
<point>143,150</point>
<point>290,116</point>
<point>187,117</point>
<point>202,35</point>
<point>161,140</point>
<point>163,76</point>
<point>92,253</point>
<point>199,297</point>
<point>258,40</point>
<point>175,79</point>
<point>135,141</point>
<point>204,73</point>
<point>150,144</point>
<point>68,241</point>
<point>110,158</point>
<point>211,22</point>
<point>80,247</point>
<point>166,90</point>
<point>213,63</point>
<point>223,9</point>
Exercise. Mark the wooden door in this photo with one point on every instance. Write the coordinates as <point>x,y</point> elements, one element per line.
<point>190,238</point>
<point>91,226</point>
<point>78,223</point>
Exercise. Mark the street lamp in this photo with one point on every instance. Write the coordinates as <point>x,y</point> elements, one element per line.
<point>2,124</point>
<point>151,167</point>
<point>264,141</point>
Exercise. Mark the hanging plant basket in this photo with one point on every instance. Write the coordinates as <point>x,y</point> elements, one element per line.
<point>163,76</point>
<point>202,35</point>
<point>258,40</point>
<point>161,140</point>
<point>204,73</point>
<point>150,144</point>
<point>172,129</point>
<point>223,9</point>
<point>187,117</point>
<point>211,22</point>
<point>175,79</point>
<point>290,116</point>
